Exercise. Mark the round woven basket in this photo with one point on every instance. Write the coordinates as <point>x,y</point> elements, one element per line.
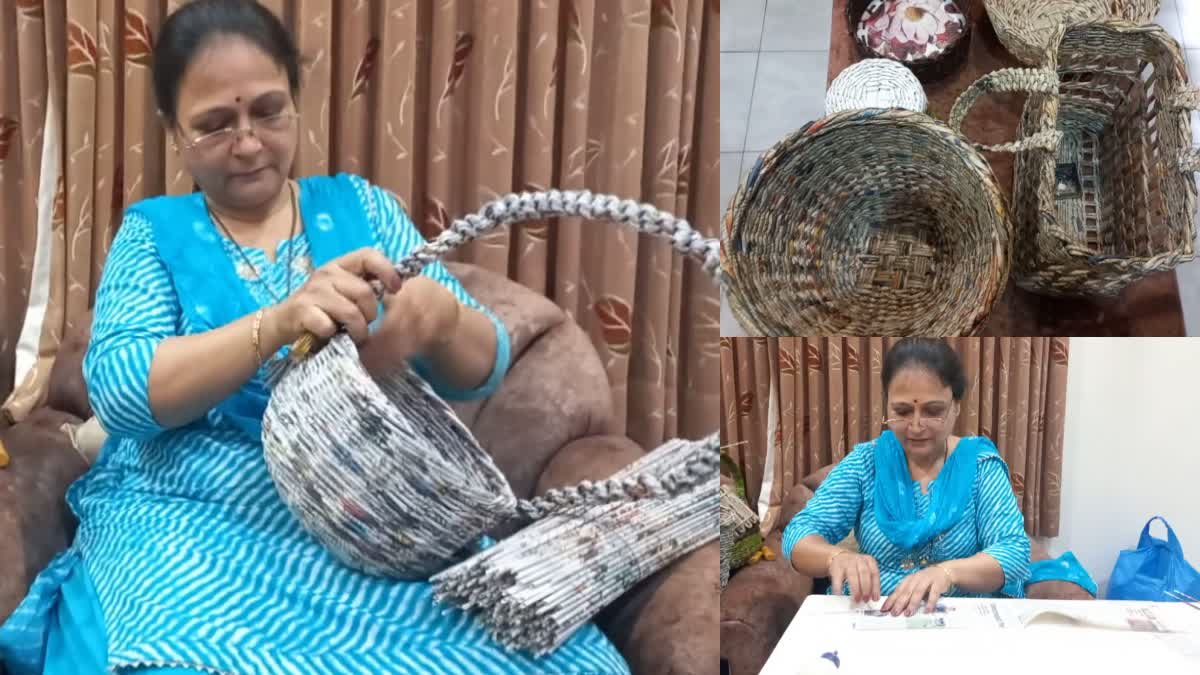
<point>927,69</point>
<point>1026,27</point>
<point>1115,200</point>
<point>875,83</point>
<point>869,222</point>
<point>383,473</point>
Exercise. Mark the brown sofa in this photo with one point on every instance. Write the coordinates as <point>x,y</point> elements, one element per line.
<point>760,600</point>
<point>549,424</point>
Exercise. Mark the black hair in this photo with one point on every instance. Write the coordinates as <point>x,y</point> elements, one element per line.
<point>932,354</point>
<point>191,27</point>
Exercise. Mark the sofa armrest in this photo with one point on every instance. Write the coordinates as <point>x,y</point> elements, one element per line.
<point>758,604</point>
<point>668,623</point>
<point>35,522</point>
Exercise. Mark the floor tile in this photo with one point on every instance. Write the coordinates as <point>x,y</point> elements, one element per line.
<point>797,25</point>
<point>742,25</point>
<point>1193,64</point>
<point>729,325</point>
<point>737,87</point>
<point>789,91</point>
<point>731,165</point>
<point>1168,18</point>
<point>1189,22</point>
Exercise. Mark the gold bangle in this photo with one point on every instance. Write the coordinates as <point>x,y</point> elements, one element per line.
<point>257,335</point>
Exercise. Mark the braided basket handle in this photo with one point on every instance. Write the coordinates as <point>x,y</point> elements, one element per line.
<point>528,206</point>
<point>700,466</point>
<point>1033,80</point>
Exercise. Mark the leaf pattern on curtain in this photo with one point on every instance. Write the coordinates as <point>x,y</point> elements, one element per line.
<point>448,104</point>
<point>831,399</point>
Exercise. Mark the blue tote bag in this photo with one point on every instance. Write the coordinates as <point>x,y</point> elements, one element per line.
<point>1153,569</point>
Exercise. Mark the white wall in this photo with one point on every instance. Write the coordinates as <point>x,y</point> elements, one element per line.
<point>1131,448</point>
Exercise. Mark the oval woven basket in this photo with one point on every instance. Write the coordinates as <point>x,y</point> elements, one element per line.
<point>867,222</point>
<point>1027,27</point>
<point>1116,199</point>
<point>385,475</point>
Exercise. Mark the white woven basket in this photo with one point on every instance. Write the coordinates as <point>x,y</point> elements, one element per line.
<point>384,474</point>
<point>875,83</point>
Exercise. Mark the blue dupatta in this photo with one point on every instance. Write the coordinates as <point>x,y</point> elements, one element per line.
<point>895,505</point>
<point>209,290</point>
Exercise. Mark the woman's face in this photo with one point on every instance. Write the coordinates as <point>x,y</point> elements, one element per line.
<point>232,84</point>
<point>921,411</point>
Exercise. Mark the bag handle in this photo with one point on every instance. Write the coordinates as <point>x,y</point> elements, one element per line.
<point>1033,80</point>
<point>1172,541</point>
<point>1187,100</point>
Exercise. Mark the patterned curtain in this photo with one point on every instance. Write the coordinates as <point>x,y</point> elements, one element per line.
<point>448,103</point>
<point>830,398</point>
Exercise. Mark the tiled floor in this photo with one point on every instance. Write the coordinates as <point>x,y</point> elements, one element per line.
<point>774,57</point>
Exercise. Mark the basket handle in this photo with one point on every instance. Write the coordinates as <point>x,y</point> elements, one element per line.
<point>1187,100</point>
<point>1034,80</point>
<point>700,466</point>
<point>527,206</point>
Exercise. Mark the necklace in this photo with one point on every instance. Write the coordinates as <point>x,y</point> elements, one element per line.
<point>246,258</point>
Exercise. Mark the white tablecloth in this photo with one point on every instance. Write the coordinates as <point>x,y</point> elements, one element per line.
<point>825,624</point>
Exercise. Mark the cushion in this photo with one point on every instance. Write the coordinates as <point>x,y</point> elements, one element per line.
<point>35,521</point>
<point>549,409</point>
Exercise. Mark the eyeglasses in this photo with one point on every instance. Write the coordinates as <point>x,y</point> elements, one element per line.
<point>903,422</point>
<point>225,136</point>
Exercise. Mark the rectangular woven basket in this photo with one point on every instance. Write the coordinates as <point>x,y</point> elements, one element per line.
<point>1117,201</point>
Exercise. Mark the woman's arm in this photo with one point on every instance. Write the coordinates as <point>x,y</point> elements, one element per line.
<point>142,377</point>
<point>452,340</point>
<point>829,517</point>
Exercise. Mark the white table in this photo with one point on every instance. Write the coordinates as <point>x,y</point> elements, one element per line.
<point>826,624</point>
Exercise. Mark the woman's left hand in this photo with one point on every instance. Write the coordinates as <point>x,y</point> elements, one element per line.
<point>417,319</point>
<point>926,586</point>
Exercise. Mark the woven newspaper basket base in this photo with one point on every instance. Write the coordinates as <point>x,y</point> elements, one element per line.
<point>1116,202</point>
<point>450,489</point>
<point>1027,27</point>
<point>927,69</point>
<point>535,589</point>
<point>869,222</point>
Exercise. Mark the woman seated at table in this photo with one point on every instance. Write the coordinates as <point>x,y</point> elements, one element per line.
<point>934,514</point>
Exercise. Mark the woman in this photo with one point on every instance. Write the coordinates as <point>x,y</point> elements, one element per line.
<point>185,558</point>
<point>934,514</point>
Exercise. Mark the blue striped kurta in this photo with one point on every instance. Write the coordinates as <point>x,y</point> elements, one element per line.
<point>194,558</point>
<point>992,523</point>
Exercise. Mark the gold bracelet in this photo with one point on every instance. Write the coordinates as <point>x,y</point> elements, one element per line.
<point>829,562</point>
<point>949,577</point>
<point>257,335</point>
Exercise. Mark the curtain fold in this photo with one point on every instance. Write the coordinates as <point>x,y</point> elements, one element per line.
<point>830,398</point>
<point>447,103</point>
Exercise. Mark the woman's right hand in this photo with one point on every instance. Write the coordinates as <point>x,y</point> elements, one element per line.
<point>860,571</point>
<point>336,294</point>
